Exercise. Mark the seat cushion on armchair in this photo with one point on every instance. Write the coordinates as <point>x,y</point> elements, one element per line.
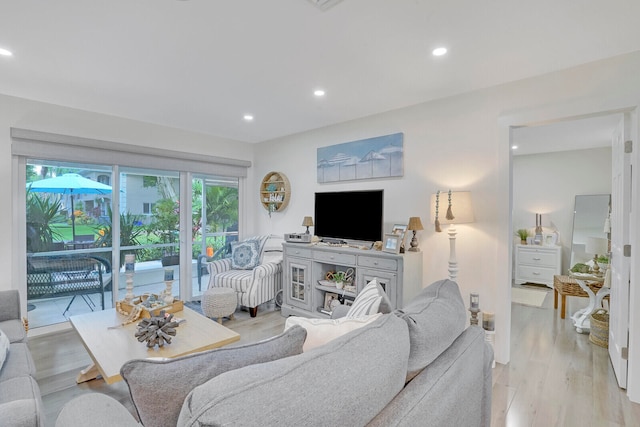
<point>436,316</point>
<point>158,387</point>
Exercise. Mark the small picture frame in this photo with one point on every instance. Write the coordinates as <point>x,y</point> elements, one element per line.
<point>549,239</point>
<point>400,230</point>
<point>391,243</point>
<point>348,302</point>
<point>328,298</point>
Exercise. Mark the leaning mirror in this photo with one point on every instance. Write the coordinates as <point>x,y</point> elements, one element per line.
<point>589,216</point>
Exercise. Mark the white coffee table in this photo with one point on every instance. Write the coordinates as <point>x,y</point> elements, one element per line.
<point>111,348</point>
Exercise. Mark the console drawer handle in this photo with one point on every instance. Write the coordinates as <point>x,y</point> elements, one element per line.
<point>537,259</point>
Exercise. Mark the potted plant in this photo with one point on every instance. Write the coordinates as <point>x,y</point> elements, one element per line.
<point>42,212</point>
<point>523,233</point>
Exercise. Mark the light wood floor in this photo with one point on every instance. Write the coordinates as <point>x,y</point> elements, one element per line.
<point>556,377</point>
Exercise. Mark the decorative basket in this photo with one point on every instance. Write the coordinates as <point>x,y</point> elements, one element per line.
<point>125,308</point>
<point>599,334</point>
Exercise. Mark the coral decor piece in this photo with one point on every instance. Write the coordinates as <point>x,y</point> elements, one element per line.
<point>157,330</point>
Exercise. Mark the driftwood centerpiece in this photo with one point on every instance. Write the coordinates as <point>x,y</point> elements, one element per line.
<point>157,330</point>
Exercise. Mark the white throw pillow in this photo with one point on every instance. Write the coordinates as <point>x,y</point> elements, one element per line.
<point>4,347</point>
<point>367,302</point>
<point>321,331</point>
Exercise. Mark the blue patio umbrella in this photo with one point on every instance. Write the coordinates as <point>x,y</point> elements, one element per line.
<point>71,184</point>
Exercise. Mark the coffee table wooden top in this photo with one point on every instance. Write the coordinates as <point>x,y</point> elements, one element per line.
<point>111,348</point>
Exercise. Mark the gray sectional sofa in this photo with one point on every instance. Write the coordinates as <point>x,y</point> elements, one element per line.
<point>418,366</point>
<point>20,400</point>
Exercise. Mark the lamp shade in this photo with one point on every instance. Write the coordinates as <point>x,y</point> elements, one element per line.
<point>307,221</point>
<point>415,223</point>
<point>596,245</point>
<point>461,207</point>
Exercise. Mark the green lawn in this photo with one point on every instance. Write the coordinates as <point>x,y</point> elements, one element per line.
<point>66,232</point>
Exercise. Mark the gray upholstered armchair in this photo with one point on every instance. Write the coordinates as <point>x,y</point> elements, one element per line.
<point>254,285</point>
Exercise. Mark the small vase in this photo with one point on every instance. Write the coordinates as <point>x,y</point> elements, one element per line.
<point>523,241</point>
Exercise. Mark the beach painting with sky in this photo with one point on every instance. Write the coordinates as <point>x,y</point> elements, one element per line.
<point>379,157</point>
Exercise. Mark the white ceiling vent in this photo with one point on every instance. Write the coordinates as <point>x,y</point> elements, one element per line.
<point>325,4</point>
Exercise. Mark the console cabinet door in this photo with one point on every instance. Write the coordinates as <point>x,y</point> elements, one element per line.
<point>388,280</point>
<point>297,283</point>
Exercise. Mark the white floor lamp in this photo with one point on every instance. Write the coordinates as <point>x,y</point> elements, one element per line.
<point>451,207</point>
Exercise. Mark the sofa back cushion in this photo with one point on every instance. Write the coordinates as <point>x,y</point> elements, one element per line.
<point>158,387</point>
<point>436,316</point>
<point>345,382</point>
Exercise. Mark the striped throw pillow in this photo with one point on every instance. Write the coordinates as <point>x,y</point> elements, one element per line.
<point>367,302</point>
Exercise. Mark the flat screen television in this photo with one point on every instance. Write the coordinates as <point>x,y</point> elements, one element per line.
<point>349,215</point>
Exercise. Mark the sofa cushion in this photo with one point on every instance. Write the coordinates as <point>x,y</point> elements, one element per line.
<point>18,362</point>
<point>436,316</point>
<point>20,402</point>
<point>158,387</point>
<point>322,331</point>
<point>245,255</point>
<point>345,382</point>
<point>4,348</point>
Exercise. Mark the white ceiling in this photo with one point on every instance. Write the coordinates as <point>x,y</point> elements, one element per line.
<point>202,64</point>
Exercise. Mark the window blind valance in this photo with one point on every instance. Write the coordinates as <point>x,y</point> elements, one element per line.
<point>36,144</point>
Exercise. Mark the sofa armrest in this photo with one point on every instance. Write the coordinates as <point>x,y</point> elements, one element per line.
<point>96,409</point>
<point>9,305</point>
<point>219,266</point>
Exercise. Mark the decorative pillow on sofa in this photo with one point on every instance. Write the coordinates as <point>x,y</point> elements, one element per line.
<point>370,301</point>
<point>158,388</point>
<point>436,317</point>
<point>245,255</point>
<point>4,347</point>
<point>321,331</point>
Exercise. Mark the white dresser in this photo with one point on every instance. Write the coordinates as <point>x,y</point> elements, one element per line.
<point>537,264</point>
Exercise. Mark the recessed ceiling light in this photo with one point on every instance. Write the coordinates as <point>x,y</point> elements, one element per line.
<point>318,92</point>
<point>514,147</point>
<point>439,51</point>
<point>248,117</point>
<point>5,52</point>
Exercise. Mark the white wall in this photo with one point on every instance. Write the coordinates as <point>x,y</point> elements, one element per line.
<point>547,183</point>
<point>461,143</point>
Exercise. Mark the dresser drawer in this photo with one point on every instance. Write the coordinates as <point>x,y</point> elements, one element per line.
<point>374,262</point>
<point>535,274</point>
<point>298,252</point>
<point>335,257</point>
<point>537,257</point>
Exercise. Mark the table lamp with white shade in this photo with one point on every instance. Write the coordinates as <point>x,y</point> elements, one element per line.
<point>451,207</point>
<point>596,246</point>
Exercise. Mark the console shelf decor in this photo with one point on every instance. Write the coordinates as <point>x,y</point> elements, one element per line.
<point>275,192</point>
<point>306,288</point>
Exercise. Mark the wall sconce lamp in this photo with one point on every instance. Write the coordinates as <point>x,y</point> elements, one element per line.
<point>414,225</point>
<point>307,222</point>
<point>458,211</point>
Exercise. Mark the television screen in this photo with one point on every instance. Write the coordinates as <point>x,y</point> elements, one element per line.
<point>349,215</point>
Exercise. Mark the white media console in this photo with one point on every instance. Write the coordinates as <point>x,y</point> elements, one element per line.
<point>306,266</point>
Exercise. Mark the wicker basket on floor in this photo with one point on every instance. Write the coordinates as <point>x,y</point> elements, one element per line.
<point>599,334</point>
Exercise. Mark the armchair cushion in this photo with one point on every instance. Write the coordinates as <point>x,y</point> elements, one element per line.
<point>159,387</point>
<point>245,255</point>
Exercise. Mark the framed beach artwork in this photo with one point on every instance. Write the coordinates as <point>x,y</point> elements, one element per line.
<point>378,157</point>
